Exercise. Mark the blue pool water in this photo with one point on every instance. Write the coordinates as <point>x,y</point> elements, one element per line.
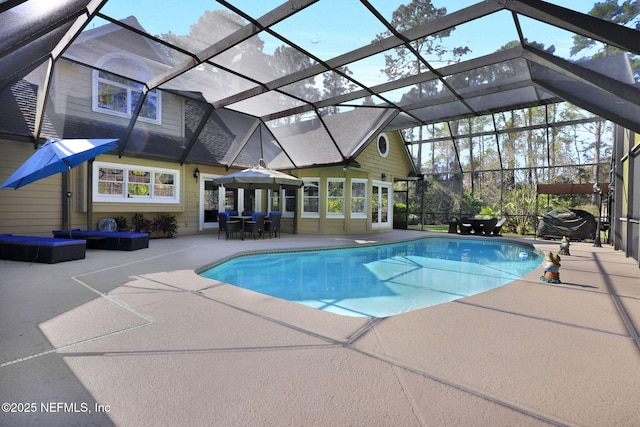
<point>381,280</point>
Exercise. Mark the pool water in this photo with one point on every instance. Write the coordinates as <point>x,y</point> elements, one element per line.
<point>381,280</point>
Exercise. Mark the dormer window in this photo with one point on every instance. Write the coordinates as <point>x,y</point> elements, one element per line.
<point>119,96</point>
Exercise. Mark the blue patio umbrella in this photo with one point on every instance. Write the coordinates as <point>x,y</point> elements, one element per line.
<point>55,156</point>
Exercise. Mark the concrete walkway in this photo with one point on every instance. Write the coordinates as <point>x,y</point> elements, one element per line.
<point>137,338</point>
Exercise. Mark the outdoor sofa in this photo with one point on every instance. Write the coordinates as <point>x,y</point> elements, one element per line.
<point>41,249</point>
<point>117,240</point>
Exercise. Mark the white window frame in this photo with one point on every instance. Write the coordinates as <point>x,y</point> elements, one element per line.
<point>387,145</point>
<point>125,197</point>
<point>270,195</point>
<point>129,88</point>
<point>377,199</point>
<point>329,197</point>
<point>208,225</point>
<point>365,207</point>
<point>308,182</point>
<point>289,213</point>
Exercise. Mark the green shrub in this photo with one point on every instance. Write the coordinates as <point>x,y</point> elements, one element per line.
<point>164,225</point>
<point>141,224</point>
<point>122,223</point>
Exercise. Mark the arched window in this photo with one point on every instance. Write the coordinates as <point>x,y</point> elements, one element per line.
<point>119,96</point>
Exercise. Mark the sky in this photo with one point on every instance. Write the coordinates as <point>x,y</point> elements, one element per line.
<point>160,15</point>
<point>330,28</point>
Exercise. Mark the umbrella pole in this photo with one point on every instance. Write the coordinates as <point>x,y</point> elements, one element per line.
<point>66,202</point>
<point>89,192</point>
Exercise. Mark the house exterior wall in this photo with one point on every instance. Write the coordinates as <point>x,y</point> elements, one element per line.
<point>34,210</point>
<point>73,96</point>
<point>43,206</point>
<point>187,211</point>
<point>395,166</point>
<point>626,202</point>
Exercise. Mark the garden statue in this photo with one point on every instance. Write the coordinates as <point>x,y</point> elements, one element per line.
<point>564,246</point>
<point>551,268</point>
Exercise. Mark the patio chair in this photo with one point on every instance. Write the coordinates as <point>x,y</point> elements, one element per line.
<point>497,229</point>
<point>464,228</point>
<point>488,226</point>
<point>272,225</point>
<point>256,226</point>
<point>229,227</point>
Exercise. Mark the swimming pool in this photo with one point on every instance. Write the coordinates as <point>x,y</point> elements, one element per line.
<point>381,280</point>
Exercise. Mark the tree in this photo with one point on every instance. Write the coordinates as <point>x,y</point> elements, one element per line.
<point>402,62</point>
<point>211,27</point>
<point>335,84</point>
<point>287,60</point>
<point>627,13</point>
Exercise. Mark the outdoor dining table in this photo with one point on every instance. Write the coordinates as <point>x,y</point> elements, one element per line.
<point>478,225</point>
<point>242,219</point>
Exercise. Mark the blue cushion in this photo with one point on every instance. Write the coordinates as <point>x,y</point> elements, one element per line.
<point>253,215</point>
<point>36,240</point>
<point>76,232</point>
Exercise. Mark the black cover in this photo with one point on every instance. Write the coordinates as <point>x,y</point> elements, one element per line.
<point>573,223</point>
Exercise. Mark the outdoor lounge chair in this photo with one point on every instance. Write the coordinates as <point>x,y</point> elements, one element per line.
<point>113,240</point>
<point>256,226</point>
<point>272,225</point>
<point>40,249</point>
<point>229,227</point>
<point>497,229</point>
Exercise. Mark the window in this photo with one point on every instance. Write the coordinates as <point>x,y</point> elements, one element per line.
<point>114,182</point>
<point>358,198</point>
<point>250,200</point>
<point>311,198</point>
<point>383,145</point>
<point>120,96</point>
<point>231,199</point>
<point>335,197</point>
<point>283,202</point>
<point>274,201</point>
<point>210,201</point>
<point>289,202</point>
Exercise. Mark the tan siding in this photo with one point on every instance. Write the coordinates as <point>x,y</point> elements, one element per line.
<point>36,209</point>
<point>396,165</point>
<point>359,226</point>
<point>71,80</point>
<point>31,210</point>
<point>308,226</point>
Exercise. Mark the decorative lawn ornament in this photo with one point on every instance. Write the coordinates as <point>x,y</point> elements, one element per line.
<point>551,268</point>
<point>564,246</point>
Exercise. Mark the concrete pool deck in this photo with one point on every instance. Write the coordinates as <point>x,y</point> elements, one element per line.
<point>137,338</point>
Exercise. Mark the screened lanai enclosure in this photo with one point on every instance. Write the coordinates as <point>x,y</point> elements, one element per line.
<point>492,97</point>
<point>498,165</point>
